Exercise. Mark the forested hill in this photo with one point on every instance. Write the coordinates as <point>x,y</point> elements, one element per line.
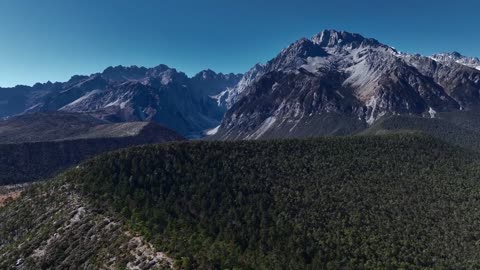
<point>33,161</point>
<point>364,202</point>
<point>458,128</point>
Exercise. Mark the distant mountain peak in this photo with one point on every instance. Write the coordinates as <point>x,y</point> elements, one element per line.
<point>206,74</point>
<point>122,68</point>
<point>457,57</point>
<point>162,67</point>
<point>210,74</point>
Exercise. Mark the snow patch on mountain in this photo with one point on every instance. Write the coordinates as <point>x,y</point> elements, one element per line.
<point>212,131</point>
<point>313,64</point>
<point>231,95</point>
<point>82,99</point>
<point>372,104</point>
<point>473,62</point>
<point>266,125</point>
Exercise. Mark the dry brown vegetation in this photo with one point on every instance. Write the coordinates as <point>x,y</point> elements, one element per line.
<point>10,193</point>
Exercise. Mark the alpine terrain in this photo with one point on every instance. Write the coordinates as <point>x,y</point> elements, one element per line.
<point>338,83</point>
<point>119,94</point>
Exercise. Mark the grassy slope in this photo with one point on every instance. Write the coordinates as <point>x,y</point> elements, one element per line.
<point>45,127</point>
<point>379,202</point>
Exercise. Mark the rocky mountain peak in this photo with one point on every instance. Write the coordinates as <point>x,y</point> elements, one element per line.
<point>329,50</point>
<point>206,74</point>
<point>209,74</point>
<point>304,48</point>
<point>122,73</point>
<point>210,83</point>
<point>338,74</point>
<point>77,78</point>
<point>135,73</point>
<point>333,38</point>
<point>456,54</point>
<point>161,68</point>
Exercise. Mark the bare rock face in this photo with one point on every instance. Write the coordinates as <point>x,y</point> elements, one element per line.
<point>70,232</point>
<point>210,83</point>
<point>338,82</point>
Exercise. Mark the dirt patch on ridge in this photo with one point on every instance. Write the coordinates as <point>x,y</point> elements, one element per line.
<point>11,192</point>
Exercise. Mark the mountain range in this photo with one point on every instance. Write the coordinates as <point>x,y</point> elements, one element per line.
<point>120,94</point>
<point>335,83</point>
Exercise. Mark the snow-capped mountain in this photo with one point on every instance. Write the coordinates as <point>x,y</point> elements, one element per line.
<point>456,57</point>
<point>160,94</point>
<point>340,82</point>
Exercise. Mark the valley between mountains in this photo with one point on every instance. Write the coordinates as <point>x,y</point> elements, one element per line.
<point>341,152</point>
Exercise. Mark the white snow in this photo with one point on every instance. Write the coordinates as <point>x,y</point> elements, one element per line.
<point>314,63</point>
<point>266,125</point>
<point>432,112</point>
<point>363,75</point>
<point>212,131</point>
<point>459,59</point>
<point>297,109</point>
<point>221,97</point>
<point>373,104</point>
<point>82,98</point>
<point>118,102</point>
<point>230,96</point>
<point>33,107</point>
<point>166,79</point>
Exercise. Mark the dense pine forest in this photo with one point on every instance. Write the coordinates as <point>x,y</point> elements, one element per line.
<point>365,202</point>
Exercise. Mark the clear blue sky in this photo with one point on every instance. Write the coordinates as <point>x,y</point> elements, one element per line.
<point>44,40</point>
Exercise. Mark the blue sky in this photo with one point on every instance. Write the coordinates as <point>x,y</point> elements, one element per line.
<point>54,39</point>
